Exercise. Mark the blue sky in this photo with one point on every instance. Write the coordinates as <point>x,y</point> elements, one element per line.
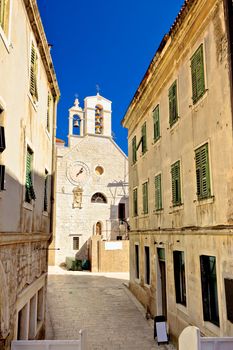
<point>105,42</point>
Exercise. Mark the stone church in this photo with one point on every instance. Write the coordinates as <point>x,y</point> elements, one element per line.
<point>92,182</point>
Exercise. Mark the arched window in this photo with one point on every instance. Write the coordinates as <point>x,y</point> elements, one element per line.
<point>98,198</point>
<point>99,119</point>
<point>76,124</point>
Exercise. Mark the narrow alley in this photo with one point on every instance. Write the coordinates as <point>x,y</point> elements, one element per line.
<point>101,304</point>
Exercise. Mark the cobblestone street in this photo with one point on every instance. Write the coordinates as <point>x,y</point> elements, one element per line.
<point>102,305</point>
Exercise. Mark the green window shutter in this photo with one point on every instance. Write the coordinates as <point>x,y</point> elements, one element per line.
<point>4,15</point>
<point>46,191</point>
<point>135,202</point>
<point>145,197</point>
<point>144,141</point>
<point>158,192</point>
<point>48,111</point>
<point>156,123</point>
<point>29,190</point>
<point>134,149</point>
<point>202,172</point>
<point>2,11</point>
<point>176,184</point>
<point>33,73</point>
<point>198,75</point>
<point>173,111</point>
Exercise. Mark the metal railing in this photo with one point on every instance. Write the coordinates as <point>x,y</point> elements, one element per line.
<point>190,339</point>
<point>80,344</point>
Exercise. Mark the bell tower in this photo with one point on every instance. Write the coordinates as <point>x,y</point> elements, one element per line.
<point>98,115</point>
<point>76,121</point>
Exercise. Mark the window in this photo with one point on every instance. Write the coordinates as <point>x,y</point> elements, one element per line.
<point>75,243</point>
<point>145,197</point>
<point>176,184</point>
<point>156,123</point>
<point>198,76</point>
<point>40,305</point>
<point>134,149</point>
<point>179,275</point>
<point>34,74</point>
<point>121,211</point>
<point>137,261</point>
<point>46,191</point>
<point>48,116</point>
<point>229,298</point>
<point>99,170</point>
<point>99,118</point>
<point>98,198</point>
<point>4,15</point>
<point>202,172</point>
<point>2,138</point>
<point>158,192</point>
<point>147,265</point>
<point>144,145</point>
<point>209,289</point>
<point>173,110</point>
<point>29,190</point>
<point>135,202</point>
<point>2,177</point>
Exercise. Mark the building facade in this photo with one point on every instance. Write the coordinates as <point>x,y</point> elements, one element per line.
<point>92,182</point>
<point>181,174</point>
<point>28,97</point>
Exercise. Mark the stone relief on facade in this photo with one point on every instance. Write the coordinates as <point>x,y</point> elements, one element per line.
<point>78,195</point>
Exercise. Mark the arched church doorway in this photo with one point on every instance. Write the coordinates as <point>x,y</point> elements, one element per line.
<point>98,228</point>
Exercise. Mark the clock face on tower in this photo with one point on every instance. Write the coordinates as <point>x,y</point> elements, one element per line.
<point>78,173</point>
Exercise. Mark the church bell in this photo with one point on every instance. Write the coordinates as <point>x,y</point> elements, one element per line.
<point>76,123</point>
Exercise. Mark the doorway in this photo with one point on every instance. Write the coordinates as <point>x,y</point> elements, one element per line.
<point>161,283</point>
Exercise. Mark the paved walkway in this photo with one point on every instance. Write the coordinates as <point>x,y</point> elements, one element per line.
<point>101,304</point>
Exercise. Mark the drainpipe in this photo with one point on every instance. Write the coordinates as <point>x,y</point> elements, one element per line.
<point>228,14</point>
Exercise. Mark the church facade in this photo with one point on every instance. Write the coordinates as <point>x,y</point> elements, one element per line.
<point>92,182</point>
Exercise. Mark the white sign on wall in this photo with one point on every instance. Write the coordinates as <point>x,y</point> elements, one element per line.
<point>113,245</point>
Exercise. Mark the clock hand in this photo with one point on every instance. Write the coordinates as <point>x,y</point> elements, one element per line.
<point>80,172</point>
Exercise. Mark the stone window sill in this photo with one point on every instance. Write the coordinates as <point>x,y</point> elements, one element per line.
<point>194,106</point>
<point>34,104</point>
<point>28,206</point>
<point>204,201</point>
<point>176,208</point>
<point>5,40</point>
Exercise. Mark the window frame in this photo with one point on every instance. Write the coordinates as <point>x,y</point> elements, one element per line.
<point>6,36</point>
<point>135,201</point>
<point>208,294</point>
<point>49,111</point>
<point>145,198</point>
<point>173,98</point>
<point>144,138</point>
<point>156,122</point>
<point>137,260</point>
<point>147,267</point>
<point>29,195</point>
<point>134,149</point>
<point>198,83</point>
<point>34,73</point>
<point>75,240</point>
<point>158,198</point>
<point>46,201</point>
<point>180,277</point>
<point>176,184</point>
<point>202,181</point>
